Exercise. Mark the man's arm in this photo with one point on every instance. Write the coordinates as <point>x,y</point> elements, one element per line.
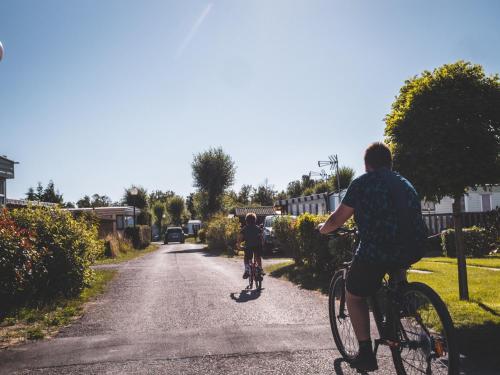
<point>337,219</point>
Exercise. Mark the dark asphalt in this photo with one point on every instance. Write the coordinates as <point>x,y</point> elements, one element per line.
<point>181,311</point>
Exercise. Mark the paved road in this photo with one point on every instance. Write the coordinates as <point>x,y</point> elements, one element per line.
<point>180,311</point>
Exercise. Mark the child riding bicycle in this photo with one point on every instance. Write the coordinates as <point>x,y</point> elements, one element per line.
<point>251,234</point>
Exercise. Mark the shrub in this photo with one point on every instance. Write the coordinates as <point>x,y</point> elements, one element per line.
<point>319,254</point>
<point>434,247</point>
<point>19,261</point>
<point>65,248</point>
<point>284,230</point>
<point>202,235</point>
<point>222,233</point>
<point>115,244</point>
<point>477,242</point>
<point>140,236</point>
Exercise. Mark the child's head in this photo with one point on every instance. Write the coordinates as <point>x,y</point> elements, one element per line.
<point>250,218</point>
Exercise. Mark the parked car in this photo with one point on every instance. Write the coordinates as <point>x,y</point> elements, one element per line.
<point>267,234</point>
<point>174,234</point>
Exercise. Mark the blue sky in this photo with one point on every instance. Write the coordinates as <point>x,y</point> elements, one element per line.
<point>98,95</point>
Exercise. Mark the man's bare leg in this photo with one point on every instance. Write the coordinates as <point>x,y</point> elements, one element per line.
<point>359,314</point>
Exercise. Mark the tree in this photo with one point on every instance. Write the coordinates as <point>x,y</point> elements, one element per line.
<point>51,195</point>
<point>84,202</point>
<point>346,175</point>
<point>213,173</point>
<point>294,189</point>
<point>140,201</point>
<point>322,187</point>
<point>190,205</point>
<point>264,194</point>
<point>444,132</point>
<point>245,194</point>
<point>175,208</point>
<point>159,212</point>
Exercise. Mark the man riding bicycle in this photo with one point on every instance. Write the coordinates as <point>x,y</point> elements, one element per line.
<point>388,215</point>
<point>251,234</point>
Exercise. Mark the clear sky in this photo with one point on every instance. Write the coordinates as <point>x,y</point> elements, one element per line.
<point>100,94</point>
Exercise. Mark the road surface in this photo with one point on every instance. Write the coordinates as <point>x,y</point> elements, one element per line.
<point>181,311</point>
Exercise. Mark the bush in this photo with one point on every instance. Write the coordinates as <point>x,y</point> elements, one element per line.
<point>202,235</point>
<point>477,242</point>
<point>284,230</point>
<point>140,236</point>
<point>433,246</point>
<point>319,254</point>
<point>222,233</point>
<point>115,244</point>
<point>50,254</point>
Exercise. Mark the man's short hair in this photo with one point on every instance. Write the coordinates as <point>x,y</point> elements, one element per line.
<point>378,155</point>
<point>250,218</point>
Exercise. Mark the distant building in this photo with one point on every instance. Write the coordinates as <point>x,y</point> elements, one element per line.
<point>479,200</point>
<point>261,212</point>
<point>6,173</point>
<point>317,204</point>
<point>112,220</point>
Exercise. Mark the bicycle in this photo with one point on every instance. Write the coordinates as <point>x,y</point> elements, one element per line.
<point>254,275</point>
<point>411,319</point>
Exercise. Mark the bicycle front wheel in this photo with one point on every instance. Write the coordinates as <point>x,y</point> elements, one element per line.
<point>340,322</point>
<point>426,333</point>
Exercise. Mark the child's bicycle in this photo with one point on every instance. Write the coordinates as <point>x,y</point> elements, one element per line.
<point>255,276</point>
<point>411,319</point>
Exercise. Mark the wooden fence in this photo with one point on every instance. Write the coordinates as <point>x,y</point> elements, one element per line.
<point>438,222</point>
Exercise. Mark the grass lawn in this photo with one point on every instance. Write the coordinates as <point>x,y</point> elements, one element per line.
<point>129,255</point>
<point>37,323</point>
<point>477,321</point>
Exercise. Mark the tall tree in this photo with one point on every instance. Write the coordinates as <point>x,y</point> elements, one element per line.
<point>444,131</point>
<point>175,208</point>
<point>84,202</point>
<point>346,175</point>
<point>101,201</point>
<point>264,194</point>
<point>158,213</point>
<point>294,189</point>
<point>244,194</point>
<point>51,195</point>
<point>140,201</point>
<point>213,173</point>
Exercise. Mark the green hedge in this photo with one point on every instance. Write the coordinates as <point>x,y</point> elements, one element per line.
<point>477,242</point>
<point>140,236</point>
<point>44,254</point>
<point>222,233</point>
<point>308,247</point>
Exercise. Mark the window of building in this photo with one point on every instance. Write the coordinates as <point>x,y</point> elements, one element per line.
<point>2,188</point>
<point>486,202</point>
<point>120,223</point>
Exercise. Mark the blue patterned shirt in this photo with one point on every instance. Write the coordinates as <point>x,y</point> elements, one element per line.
<point>388,214</point>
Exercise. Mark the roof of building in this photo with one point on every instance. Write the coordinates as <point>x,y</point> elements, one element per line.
<point>25,203</point>
<point>259,211</point>
<point>7,159</point>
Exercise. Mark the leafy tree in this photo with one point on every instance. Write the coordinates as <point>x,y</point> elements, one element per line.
<point>294,189</point>
<point>264,195</point>
<point>213,173</point>
<point>84,202</point>
<point>39,191</point>
<point>346,175</point>
<point>51,195</point>
<point>245,194</point>
<point>140,201</point>
<point>190,205</point>
<point>444,131</point>
<point>158,212</point>
<point>101,200</point>
<point>281,195</point>
<point>322,187</point>
<point>31,195</point>
<point>160,196</point>
<point>307,182</point>
<point>175,208</point>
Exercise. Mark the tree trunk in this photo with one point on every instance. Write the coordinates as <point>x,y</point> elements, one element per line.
<point>459,245</point>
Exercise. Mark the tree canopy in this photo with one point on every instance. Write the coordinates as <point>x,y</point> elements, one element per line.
<point>444,130</point>
<point>48,194</point>
<point>213,172</point>
<point>175,208</point>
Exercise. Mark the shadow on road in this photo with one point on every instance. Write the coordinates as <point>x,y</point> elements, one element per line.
<point>341,367</point>
<point>189,251</point>
<point>245,295</point>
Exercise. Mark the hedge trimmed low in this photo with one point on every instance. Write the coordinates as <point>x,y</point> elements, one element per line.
<point>477,242</point>
<point>140,236</point>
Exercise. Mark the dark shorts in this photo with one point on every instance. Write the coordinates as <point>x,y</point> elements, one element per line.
<point>364,279</point>
<point>249,253</point>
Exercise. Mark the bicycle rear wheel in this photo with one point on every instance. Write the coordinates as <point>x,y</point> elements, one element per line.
<point>426,333</point>
<point>340,322</point>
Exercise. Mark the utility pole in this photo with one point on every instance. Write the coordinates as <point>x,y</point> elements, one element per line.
<point>333,162</point>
